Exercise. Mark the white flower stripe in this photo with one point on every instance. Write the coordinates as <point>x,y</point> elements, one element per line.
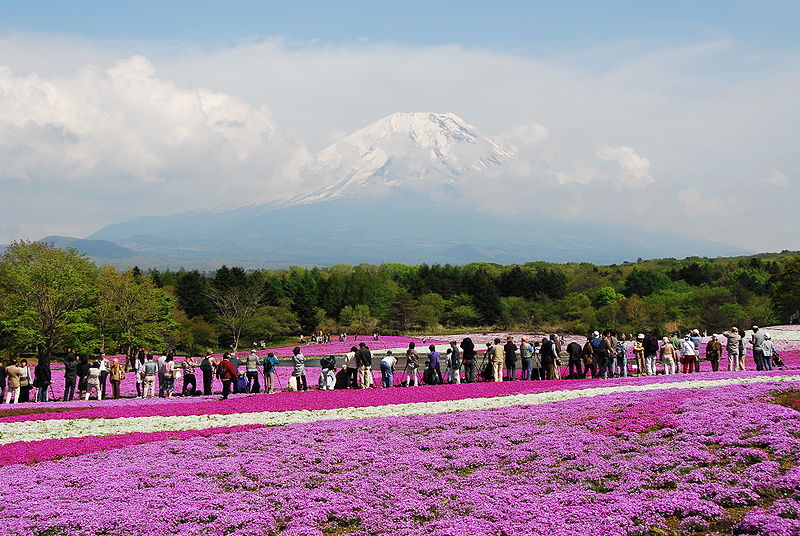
<point>60,428</point>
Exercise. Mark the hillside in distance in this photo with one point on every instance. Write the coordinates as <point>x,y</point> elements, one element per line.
<point>382,202</point>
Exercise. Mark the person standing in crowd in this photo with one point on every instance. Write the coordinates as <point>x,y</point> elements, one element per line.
<point>138,367</point>
<point>3,378</point>
<point>251,369</point>
<point>351,364</point>
<point>768,350</point>
<point>734,340</point>
<point>148,373</point>
<point>697,340</point>
<point>299,371</point>
<point>757,342</point>
<point>510,350</point>
<point>536,362</point>
<point>13,372</point>
<point>677,343</point>
<point>101,359</point>
<point>93,381</point>
<point>162,381</point>
<point>387,369</point>
<point>227,373</point>
<point>621,357</point>
<point>669,357</point>
<point>412,366</point>
<point>25,385</point>
<point>526,355</point>
<point>550,357</point>
<point>498,357</point>
<point>434,366</point>
<point>575,352</point>
<point>207,367</point>
<point>327,376</point>
<point>43,377</point>
<point>364,361</point>
<point>169,375</point>
<point>468,359</point>
<point>689,354</point>
<point>117,374</point>
<point>455,363</point>
<point>608,355</point>
<point>651,349</point>
<point>189,379</point>
<point>270,369</point>
<point>714,352</point>
<point>742,351</point>
<point>70,376</point>
<point>587,355</point>
<point>638,354</point>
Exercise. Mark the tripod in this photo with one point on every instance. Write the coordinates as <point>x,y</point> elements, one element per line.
<point>485,370</point>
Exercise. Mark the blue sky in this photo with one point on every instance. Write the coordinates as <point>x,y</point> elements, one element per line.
<point>511,25</point>
<point>114,109</point>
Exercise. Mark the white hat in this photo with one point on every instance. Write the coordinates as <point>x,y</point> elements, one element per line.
<point>767,336</point>
<point>595,334</point>
<point>640,336</point>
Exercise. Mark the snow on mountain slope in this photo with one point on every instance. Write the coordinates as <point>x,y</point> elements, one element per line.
<point>420,149</point>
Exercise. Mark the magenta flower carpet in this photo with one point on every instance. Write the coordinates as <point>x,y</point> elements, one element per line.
<point>710,453</point>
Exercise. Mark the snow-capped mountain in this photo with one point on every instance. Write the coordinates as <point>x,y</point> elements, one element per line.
<point>420,150</point>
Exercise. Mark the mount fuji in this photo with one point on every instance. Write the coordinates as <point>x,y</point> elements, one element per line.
<point>422,151</point>
<point>390,194</point>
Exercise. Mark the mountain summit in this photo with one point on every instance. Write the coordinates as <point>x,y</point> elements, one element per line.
<point>420,150</point>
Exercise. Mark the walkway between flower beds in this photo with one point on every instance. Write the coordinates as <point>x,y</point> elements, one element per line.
<point>38,430</point>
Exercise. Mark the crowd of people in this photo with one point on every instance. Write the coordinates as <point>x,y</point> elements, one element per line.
<point>603,355</point>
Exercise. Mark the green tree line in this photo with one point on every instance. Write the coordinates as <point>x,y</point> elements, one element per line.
<point>53,299</point>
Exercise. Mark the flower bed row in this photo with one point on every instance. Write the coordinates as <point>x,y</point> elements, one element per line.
<point>621,464</point>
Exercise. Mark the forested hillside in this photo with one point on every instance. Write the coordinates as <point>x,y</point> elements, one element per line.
<point>53,299</point>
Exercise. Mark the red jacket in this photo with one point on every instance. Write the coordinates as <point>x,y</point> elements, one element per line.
<point>226,370</point>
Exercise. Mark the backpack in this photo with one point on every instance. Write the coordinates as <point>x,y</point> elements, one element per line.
<point>620,350</point>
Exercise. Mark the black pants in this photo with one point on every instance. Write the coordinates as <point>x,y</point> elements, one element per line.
<point>469,371</point>
<point>253,386</point>
<point>302,385</point>
<point>25,393</point>
<point>103,378</point>
<point>714,364</point>
<point>69,388</point>
<point>511,370</point>
<point>352,377</point>
<point>575,371</point>
<point>208,381</point>
<point>226,389</point>
<point>189,379</point>
<point>587,368</point>
<point>437,374</point>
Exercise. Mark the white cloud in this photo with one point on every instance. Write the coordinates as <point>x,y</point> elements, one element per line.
<point>111,135</point>
<point>776,177</point>
<point>635,169</point>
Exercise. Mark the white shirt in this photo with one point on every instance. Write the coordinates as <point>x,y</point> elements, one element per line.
<point>389,360</point>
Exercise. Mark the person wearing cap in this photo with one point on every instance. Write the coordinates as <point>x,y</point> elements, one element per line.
<point>207,367</point>
<point>757,342</point>
<point>251,365</point>
<point>526,353</point>
<point>714,352</point>
<point>697,340</point>
<point>638,353</point>
<point>768,351</point>
<point>734,340</point>
<point>669,356</point>
<point>689,354</point>
<point>498,356</point>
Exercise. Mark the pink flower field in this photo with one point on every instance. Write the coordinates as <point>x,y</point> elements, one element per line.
<point>703,453</point>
